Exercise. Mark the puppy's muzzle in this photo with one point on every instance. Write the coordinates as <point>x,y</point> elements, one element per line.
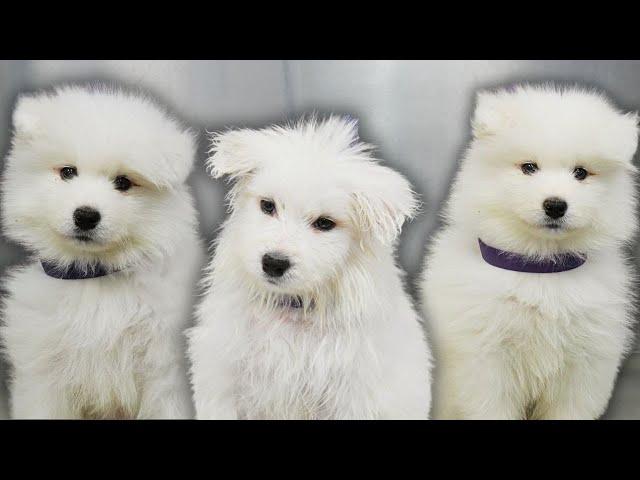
<point>275,265</point>
<point>86,218</point>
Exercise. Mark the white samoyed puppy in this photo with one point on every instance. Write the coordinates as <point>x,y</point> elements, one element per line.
<point>94,186</point>
<point>305,315</point>
<point>527,288</point>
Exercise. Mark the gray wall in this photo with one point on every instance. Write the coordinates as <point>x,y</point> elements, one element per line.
<point>416,112</point>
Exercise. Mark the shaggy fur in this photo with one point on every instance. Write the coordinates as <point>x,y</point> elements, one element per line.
<point>513,345</point>
<point>355,349</point>
<point>108,347</point>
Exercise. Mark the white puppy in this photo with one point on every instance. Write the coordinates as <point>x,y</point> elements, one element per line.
<point>94,187</point>
<point>533,322</point>
<point>305,316</point>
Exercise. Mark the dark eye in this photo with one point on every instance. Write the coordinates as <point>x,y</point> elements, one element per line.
<point>324,224</point>
<point>122,183</point>
<point>529,168</point>
<point>580,173</point>
<point>268,207</point>
<point>67,173</point>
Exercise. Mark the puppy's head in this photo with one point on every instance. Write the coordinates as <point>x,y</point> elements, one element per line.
<point>95,177</point>
<point>306,200</point>
<point>550,167</point>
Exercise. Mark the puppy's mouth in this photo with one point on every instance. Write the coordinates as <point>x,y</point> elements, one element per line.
<point>548,227</point>
<point>560,225</point>
<point>83,238</point>
<point>554,226</point>
<point>279,283</point>
<point>548,224</point>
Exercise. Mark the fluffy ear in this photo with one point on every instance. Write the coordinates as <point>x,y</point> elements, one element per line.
<point>230,154</point>
<point>491,114</point>
<point>26,117</point>
<point>383,199</point>
<point>628,137</point>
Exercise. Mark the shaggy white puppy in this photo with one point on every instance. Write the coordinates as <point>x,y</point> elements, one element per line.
<point>94,187</point>
<point>527,287</point>
<point>305,315</point>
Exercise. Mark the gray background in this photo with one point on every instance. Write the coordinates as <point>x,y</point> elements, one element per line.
<point>416,112</point>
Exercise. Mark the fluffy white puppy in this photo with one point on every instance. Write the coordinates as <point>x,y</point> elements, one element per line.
<point>533,322</point>
<point>94,186</point>
<point>305,315</point>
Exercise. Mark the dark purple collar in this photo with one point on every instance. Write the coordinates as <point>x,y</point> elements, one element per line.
<point>290,301</point>
<point>73,272</point>
<point>520,263</point>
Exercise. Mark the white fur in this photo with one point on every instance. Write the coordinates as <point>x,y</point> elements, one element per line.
<point>523,345</point>
<point>359,351</point>
<point>108,347</point>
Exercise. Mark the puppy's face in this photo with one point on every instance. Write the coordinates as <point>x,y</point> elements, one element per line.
<point>78,208</point>
<point>552,197</point>
<point>84,182</point>
<point>308,202</point>
<point>552,169</point>
<point>295,229</point>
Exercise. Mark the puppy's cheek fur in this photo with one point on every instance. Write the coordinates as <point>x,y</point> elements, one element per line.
<point>27,215</point>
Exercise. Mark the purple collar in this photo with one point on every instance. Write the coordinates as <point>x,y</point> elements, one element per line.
<point>295,302</point>
<point>520,263</point>
<point>290,302</point>
<point>73,272</point>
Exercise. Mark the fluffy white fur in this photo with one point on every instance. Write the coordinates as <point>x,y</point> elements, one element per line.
<point>356,350</point>
<point>108,347</point>
<point>513,345</point>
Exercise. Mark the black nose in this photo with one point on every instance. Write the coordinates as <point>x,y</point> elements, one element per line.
<point>86,218</point>
<point>554,207</point>
<point>274,265</point>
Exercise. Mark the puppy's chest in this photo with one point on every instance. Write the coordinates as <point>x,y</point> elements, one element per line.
<point>91,342</point>
<point>290,373</point>
<point>550,319</point>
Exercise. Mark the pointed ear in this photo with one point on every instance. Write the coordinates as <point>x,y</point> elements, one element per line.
<point>491,114</point>
<point>230,154</point>
<point>26,117</point>
<point>383,201</point>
